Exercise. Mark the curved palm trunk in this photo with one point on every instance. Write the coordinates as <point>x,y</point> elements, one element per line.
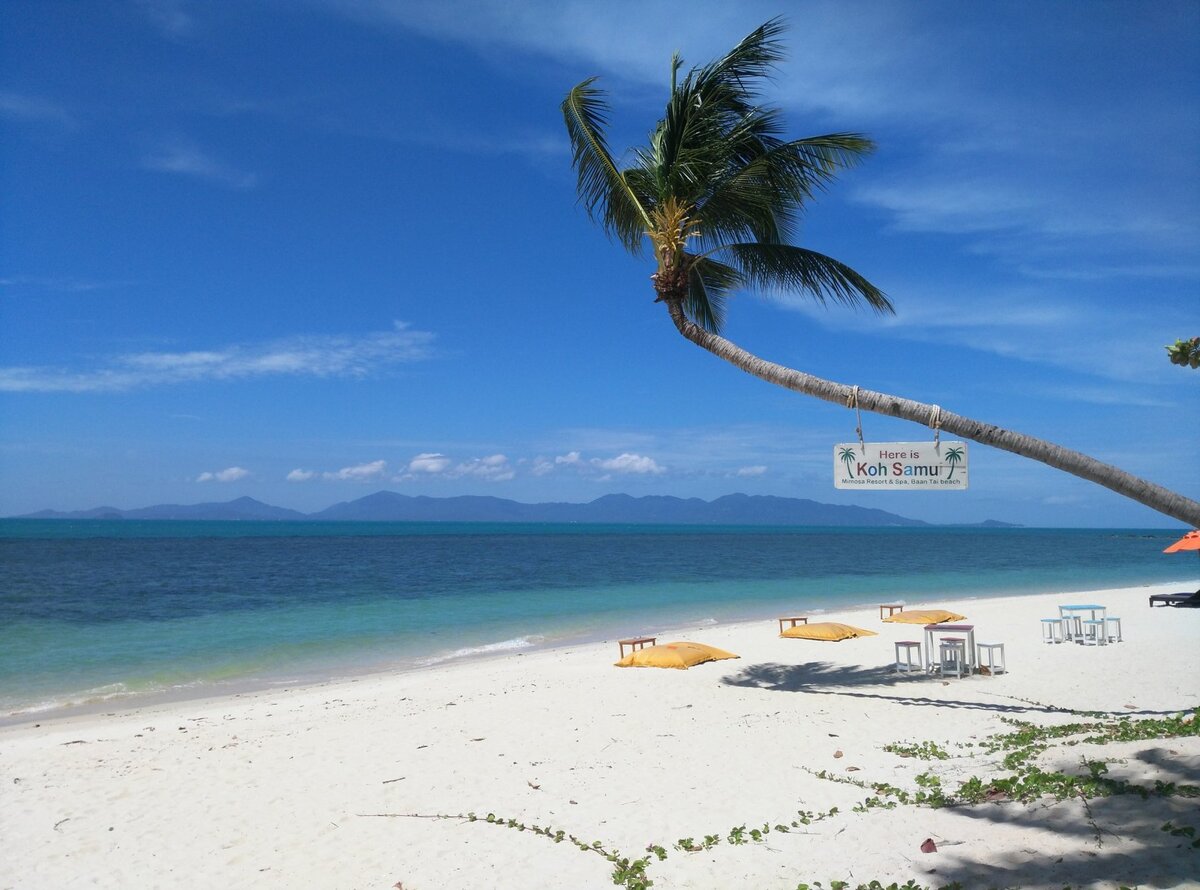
<point>1154,496</point>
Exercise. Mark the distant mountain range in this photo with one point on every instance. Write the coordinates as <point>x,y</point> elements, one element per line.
<point>389,506</point>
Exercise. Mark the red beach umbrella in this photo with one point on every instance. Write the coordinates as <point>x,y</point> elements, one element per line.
<point>1190,541</point>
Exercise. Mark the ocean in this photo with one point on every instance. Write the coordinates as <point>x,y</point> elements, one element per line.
<point>108,611</point>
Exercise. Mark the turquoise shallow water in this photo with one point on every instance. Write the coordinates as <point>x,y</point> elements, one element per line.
<point>93,610</point>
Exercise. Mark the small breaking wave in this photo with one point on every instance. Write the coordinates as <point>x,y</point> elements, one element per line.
<point>486,649</point>
<point>70,700</point>
<point>97,695</point>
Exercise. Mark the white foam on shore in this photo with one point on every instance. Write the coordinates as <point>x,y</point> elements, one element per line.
<point>486,649</point>
<point>98,695</point>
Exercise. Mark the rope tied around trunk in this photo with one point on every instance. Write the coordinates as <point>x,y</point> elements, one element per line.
<point>852,402</point>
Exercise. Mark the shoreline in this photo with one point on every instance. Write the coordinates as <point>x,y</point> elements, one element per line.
<point>318,786</point>
<point>313,786</point>
<point>305,676</point>
<point>273,613</point>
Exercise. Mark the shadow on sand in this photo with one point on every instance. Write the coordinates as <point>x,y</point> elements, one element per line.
<point>827,678</point>
<point>1120,838</point>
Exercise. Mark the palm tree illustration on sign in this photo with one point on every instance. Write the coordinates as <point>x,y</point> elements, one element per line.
<point>846,456</point>
<point>953,456</point>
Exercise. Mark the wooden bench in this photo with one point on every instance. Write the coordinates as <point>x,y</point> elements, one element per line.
<point>792,621</point>
<point>635,643</point>
<point>892,609</point>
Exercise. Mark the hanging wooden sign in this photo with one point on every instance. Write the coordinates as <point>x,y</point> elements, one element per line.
<point>900,466</point>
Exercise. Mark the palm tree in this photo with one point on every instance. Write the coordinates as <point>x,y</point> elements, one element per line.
<point>846,456</point>
<point>715,194</point>
<point>953,456</point>
<point>1185,352</point>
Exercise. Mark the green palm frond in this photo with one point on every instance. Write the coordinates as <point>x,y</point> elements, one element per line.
<point>717,188</point>
<point>709,285</point>
<point>783,267</point>
<point>803,167</point>
<point>642,184</point>
<point>729,80</point>
<point>741,197</point>
<point>601,187</point>
<point>759,197</point>
<point>688,143</point>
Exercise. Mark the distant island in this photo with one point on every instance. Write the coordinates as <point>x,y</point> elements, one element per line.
<point>389,506</point>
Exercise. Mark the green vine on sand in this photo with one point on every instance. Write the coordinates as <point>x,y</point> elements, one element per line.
<point>1184,831</point>
<point>1028,740</point>
<point>1027,783</point>
<point>921,751</point>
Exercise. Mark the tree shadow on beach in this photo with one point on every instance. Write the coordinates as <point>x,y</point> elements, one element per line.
<point>828,678</point>
<point>1118,840</point>
<point>1115,840</point>
<point>814,676</point>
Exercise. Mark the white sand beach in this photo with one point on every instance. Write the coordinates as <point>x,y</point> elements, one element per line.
<point>333,786</point>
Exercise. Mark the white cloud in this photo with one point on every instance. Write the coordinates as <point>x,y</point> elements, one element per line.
<point>360,472</point>
<point>851,63</point>
<point>1046,125</point>
<point>300,475</point>
<point>230,474</point>
<point>1063,500</point>
<point>1043,323</point>
<point>311,356</point>
<point>429,463</point>
<point>61,283</point>
<point>170,16</point>
<point>751,471</point>
<point>634,464</point>
<point>626,463</point>
<point>1105,395</point>
<point>441,135</point>
<point>569,31</point>
<point>34,110</point>
<point>184,158</point>
<point>494,468</point>
<point>949,205</point>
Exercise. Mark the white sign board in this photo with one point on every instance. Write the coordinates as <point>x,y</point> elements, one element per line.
<point>900,466</point>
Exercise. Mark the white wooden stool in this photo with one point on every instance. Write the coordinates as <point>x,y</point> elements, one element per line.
<point>990,650</point>
<point>1094,632</point>
<point>953,657</point>
<point>904,657</point>
<point>1114,638</point>
<point>1052,630</point>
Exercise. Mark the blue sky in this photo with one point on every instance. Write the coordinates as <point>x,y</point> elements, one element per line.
<point>304,251</point>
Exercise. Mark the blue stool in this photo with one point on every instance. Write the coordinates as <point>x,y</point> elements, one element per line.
<point>1052,630</point>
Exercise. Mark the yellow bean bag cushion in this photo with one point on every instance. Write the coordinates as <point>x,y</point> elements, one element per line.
<point>924,616</point>
<point>674,655</point>
<point>826,630</point>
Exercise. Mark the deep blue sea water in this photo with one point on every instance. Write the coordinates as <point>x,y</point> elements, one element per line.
<point>96,610</point>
